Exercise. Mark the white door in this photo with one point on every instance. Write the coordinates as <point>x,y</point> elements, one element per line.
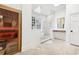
<point>75,29</point>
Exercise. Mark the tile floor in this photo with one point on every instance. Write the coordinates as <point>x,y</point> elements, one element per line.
<point>55,47</point>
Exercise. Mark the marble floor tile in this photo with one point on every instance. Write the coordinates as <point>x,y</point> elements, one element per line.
<point>55,47</point>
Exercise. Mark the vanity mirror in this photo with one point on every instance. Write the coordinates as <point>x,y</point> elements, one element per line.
<point>60,23</point>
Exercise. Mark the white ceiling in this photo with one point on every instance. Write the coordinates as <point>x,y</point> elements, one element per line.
<point>47,9</point>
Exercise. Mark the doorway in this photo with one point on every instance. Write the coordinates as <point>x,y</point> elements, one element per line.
<point>74,29</point>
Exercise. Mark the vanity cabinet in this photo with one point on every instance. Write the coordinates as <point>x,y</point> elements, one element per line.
<point>59,34</point>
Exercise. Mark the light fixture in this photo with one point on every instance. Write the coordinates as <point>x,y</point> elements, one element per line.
<point>1,17</point>
<point>38,10</point>
<point>56,4</point>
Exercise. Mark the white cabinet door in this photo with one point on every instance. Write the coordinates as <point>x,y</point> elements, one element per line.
<point>75,29</point>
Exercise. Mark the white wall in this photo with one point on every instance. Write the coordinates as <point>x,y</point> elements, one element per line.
<point>26,26</point>
<point>70,8</point>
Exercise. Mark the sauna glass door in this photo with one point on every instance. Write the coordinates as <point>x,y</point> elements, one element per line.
<point>9,31</point>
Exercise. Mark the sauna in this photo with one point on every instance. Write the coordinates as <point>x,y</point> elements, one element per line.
<point>10,30</point>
